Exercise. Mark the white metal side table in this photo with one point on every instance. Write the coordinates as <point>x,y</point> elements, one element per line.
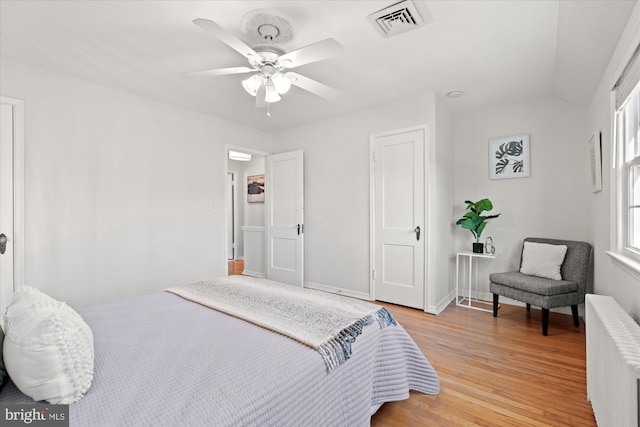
<point>466,301</point>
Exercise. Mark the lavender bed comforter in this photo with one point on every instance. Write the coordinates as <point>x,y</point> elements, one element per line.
<point>161,360</point>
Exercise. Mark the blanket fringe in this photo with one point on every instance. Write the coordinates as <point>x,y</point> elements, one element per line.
<point>337,350</point>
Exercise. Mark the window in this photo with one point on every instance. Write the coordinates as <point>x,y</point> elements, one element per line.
<point>626,172</point>
<point>627,139</point>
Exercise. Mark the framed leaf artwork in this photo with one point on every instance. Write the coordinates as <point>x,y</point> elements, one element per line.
<point>509,157</point>
<point>595,160</point>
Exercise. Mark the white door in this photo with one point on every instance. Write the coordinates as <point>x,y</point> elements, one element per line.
<point>399,233</point>
<point>6,205</point>
<point>284,203</point>
<point>231,212</point>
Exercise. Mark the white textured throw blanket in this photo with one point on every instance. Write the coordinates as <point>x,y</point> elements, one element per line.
<point>326,322</point>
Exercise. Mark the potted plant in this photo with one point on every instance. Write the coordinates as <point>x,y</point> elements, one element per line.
<point>475,222</point>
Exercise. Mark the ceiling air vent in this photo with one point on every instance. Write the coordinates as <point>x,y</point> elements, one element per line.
<point>396,19</point>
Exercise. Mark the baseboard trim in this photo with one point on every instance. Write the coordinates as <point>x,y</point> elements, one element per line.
<point>254,274</point>
<point>442,305</point>
<point>488,297</point>
<point>339,291</point>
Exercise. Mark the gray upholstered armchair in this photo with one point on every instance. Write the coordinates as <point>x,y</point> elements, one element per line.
<point>537,283</point>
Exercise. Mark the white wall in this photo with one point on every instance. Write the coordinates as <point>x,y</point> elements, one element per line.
<point>337,185</point>
<point>552,202</point>
<point>442,177</point>
<point>610,278</point>
<point>123,195</point>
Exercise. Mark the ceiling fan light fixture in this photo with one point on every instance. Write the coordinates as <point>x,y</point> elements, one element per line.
<point>252,84</point>
<point>271,94</point>
<point>281,83</point>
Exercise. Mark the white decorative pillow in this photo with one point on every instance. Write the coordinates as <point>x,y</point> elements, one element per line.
<point>543,260</point>
<point>48,348</point>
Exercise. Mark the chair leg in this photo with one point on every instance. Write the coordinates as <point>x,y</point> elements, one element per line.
<point>528,307</point>
<point>495,305</point>
<point>545,321</point>
<point>574,311</point>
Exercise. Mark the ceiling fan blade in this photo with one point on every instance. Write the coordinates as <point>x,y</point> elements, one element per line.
<point>226,37</point>
<point>313,86</point>
<point>218,72</point>
<point>260,97</point>
<point>314,52</point>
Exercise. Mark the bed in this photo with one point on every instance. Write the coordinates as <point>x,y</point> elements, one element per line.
<point>163,360</point>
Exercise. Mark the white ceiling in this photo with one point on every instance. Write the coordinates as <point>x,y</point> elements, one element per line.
<point>497,52</point>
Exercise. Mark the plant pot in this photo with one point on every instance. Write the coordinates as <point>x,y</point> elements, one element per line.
<point>478,248</point>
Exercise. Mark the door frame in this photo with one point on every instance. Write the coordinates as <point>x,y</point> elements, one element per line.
<point>428,167</point>
<point>231,198</point>
<point>18,189</point>
<point>225,171</point>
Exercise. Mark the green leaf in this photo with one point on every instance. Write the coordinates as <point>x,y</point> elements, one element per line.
<point>514,148</point>
<point>490,216</point>
<point>501,165</point>
<point>518,166</point>
<point>484,205</point>
<point>479,230</point>
<point>511,148</point>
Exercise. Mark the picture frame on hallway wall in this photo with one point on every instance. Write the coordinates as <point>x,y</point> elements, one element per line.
<point>255,189</point>
<point>595,161</point>
<point>509,157</point>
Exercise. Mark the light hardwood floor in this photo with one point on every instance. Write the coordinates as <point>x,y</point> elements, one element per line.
<point>236,267</point>
<point>495,371</point>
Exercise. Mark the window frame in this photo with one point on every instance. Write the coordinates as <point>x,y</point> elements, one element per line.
<point>621,249</point>
<point>630,244</point>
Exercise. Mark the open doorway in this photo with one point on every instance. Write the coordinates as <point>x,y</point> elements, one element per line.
<point>245,212</point>
<point>234,213</point>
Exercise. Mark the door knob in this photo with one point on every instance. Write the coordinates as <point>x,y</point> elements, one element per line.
<point>3,243</point>
<point>417,230</point>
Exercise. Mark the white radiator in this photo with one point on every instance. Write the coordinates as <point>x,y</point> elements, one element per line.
<point>613,363</point>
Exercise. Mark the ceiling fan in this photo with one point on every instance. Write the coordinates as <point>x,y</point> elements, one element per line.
<point>269,63</point>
